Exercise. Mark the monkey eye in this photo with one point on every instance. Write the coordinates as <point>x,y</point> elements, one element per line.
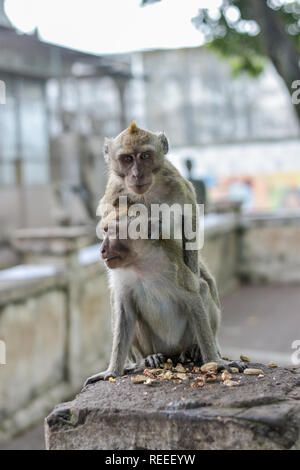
<point>126,158</point>
<point>145,155</point>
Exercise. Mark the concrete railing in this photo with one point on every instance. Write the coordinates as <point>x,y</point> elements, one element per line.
<point>270,247</point>
<point>55,322</point>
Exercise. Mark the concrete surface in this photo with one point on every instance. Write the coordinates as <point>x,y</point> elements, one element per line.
<point>31,440</point>
<point>261,322</point>
<point>261,413</point>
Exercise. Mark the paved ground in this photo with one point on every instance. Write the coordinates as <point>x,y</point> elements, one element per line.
<point>31,440</point>
<point>260,321</point>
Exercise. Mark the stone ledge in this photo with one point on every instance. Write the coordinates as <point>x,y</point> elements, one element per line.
<point>261,413</point>
<point>55,241</point>
<point>21,290</point>
<point>267,219</point>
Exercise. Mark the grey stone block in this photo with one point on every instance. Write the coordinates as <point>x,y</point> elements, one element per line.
<point>261,413</point>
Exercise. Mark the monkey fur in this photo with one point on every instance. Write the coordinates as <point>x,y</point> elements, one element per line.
<point>139,170</point>
<point>160,308</point>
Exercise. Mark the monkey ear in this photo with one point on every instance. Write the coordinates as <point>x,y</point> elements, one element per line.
<point>164,142</point>
<point>106,149</point>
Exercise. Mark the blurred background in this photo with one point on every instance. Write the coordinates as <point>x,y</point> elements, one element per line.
<point>221,78</point>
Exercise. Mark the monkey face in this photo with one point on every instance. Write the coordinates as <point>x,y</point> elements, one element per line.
<point>117,253</point>
<point>114,252</point>
<point>137,167</point>
<point>136,155</point>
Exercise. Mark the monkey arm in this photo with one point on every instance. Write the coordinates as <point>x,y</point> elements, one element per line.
<point>124,325</point>
<point>190,222</point>
<point>190,257</point>
<point>124,320</point>
<point>199,319</point>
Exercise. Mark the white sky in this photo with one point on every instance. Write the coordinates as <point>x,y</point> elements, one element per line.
<point>110,26</point>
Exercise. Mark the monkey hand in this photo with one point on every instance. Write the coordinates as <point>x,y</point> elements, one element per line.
<point>101,376</point>
<point>154,360</point>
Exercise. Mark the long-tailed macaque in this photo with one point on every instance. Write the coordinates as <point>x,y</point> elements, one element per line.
<point>139,170</point>
<point>160,308</point>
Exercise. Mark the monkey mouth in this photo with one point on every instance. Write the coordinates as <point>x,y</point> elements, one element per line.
<point>140,188</point>
<point>110,261</point>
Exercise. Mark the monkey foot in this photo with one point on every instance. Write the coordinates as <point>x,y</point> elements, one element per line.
<point>134,368</point>
<point>222,364</point>
<point>101,376</point>
<point>154,360</point>
<point>193,354</point>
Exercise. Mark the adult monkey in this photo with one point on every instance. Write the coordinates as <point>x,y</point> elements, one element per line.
<point>160,308</point>
<point>139,170</point>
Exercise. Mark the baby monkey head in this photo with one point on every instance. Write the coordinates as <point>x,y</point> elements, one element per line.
<point>136,155</point>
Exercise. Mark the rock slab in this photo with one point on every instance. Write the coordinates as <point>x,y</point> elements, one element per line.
<point>259,413</point>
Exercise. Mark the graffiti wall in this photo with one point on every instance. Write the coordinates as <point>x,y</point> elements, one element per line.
<point>258,192</point>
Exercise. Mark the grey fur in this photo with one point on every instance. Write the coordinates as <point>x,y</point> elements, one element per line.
<point>158,318</point>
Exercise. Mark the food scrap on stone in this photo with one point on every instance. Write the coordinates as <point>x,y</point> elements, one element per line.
<point>253,372</point>
<point>231,383</point>
<point>138,379</point>
<point>245,358</point>
<point>272,364</point>
<point>195,376</point>
<point>180,368</point>
<point>209,367</point>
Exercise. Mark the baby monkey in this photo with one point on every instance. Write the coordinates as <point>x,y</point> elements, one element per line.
<point>139,170</point>
<point>160,308</point>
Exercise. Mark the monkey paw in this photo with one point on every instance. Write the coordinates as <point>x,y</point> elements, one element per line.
<point>134,369</point>
<point>101,376</point>
<point>192,354</point>
<point>154,360</point>
<point>222,364</point>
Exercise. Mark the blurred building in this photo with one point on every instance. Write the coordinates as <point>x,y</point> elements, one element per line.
<point>192,95</point>
<point>60,103</point>
<point>44,83</point>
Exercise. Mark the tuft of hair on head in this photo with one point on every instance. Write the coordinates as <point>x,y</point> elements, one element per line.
<point>132,128</point>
